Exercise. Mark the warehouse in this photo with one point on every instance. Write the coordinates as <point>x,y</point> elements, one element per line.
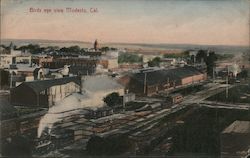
<point>235,139</point>
<point>151,82</point>
<point>44,93</point>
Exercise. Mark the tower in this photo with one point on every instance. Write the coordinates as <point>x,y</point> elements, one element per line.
<point>11,46</point>
<point>96,45</point>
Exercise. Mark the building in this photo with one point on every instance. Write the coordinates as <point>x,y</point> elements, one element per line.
<point>21,73</point>
<point>14,57</point>
<point>39,60</point>
<point>18,120</point>
<point>175,98</point>
<point>93,53</point>
<point>131,66</point>
<point>44,93</point>
<point>150,82</point>
<point>78,65</point>
<point>128,97</point>
<point>109,63</point>
<point>235,139</point>
<point>168,61</point>
<point>6,60</point>
<point>23,59</point>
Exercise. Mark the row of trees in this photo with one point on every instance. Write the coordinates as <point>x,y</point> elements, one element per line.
<point>209,58</point>
<point>105,49</point>
<point>184,54</point>
<point>36,49</point>
<point>154,62</point>
<point>129,58</point>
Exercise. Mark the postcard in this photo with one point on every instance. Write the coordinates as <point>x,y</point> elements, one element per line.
<point>142,78</point>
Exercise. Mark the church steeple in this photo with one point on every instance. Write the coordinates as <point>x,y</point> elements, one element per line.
<point>11,46</point>
<point>96,45</point>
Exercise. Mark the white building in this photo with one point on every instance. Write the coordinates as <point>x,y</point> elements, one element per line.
<point>15,57</point>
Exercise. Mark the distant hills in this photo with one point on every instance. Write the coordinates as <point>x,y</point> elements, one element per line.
<point>134,46</point>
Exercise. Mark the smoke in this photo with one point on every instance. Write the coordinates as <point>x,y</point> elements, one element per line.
<point>235,69</point>
<point>238,58</point>
<point>92,98</point>
<point>69,106</point>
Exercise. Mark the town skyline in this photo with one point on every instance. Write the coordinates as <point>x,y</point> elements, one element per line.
<point>146,22</point>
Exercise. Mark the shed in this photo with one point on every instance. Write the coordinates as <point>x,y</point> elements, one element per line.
<point>235,139</point>
<point>43,93</point>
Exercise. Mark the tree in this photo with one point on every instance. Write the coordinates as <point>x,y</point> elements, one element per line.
<point>210,62</point>
<point>129,58</point>
<point>33,49</point>
<point>105,49</point>
<point>192,58</point>
<point>201,56</point>
<point>74,49</point>
<point>113,99</point>
<point>209,58</point>
<point>154,62</point>
<point>177,55</point>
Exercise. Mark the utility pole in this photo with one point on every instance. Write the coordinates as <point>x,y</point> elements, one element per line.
<point>124,99</point>
<point>80,78</point>
<point>10,80</point>
<point>213,75</point>
<point>168,86</point>
<point>227,82</point>
<point>145,83</point>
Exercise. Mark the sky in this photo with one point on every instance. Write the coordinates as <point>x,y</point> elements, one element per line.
<point>222,22</point>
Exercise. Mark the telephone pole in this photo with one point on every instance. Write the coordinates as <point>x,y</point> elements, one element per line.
<point>145,83</point>
<point>227,82</point>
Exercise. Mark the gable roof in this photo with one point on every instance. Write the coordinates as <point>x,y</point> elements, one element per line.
<point>238,127</point>
<point>160,76</point>
<point>40,85</point>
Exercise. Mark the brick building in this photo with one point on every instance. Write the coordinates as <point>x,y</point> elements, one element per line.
<point>151,82</point>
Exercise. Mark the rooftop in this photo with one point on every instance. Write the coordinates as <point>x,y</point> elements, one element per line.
<point>242,127</point>
<point>160,75</point>
<point>40,85</point>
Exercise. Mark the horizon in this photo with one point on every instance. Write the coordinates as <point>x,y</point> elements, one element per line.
<point>197,22</point>
<point>123,43</point>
